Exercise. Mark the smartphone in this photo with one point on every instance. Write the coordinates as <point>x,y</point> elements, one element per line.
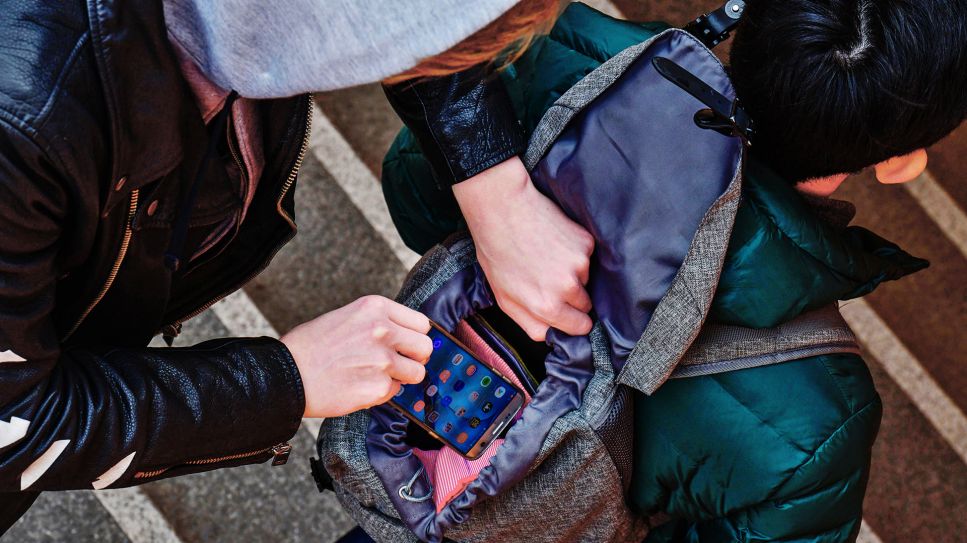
<point>462,401</point>
<point>492,337</point>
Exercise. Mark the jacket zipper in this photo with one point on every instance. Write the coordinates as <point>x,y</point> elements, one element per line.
<point>176,326</point>
<point>125,241</point>
<point>280,455</point>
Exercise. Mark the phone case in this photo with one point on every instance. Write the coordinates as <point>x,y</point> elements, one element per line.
<point>501,422</point>
<point>505,351</point>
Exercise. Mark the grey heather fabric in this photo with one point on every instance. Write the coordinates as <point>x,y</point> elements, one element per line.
<point>680,315</point>
<point>342,450</point>
<point>609,407</point>
<point>721,348</point>
<point>436,267</point>
<point>273,50</point>
<point>576,481</point>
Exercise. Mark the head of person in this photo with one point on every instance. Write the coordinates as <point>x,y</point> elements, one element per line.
<point>835,86</point>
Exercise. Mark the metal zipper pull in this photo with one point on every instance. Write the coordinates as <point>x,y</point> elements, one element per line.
<point>280,453</point>
<point>170,332</point>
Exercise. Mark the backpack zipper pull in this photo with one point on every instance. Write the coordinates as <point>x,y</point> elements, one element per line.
<point>280,453</point>
<point>170,332</point>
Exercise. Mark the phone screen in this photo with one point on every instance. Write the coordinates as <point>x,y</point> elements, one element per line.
<point>459,397</point>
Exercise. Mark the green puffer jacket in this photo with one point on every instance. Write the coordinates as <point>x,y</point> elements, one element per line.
<point>776,453</point>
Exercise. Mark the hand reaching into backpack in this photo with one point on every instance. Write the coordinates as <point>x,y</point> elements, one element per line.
<point>535,257</point>
<point>357,356</point>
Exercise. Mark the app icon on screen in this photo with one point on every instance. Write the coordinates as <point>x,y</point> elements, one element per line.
<point>487,406</point>
<point>447,427</point>
<point>419,405</point>
<point>433,416</point>
<point>457,359</point>
<point>431,390</point>
<point>474,396</point>
<point>437,342</point>
<point>446,401</point>
<point>485,382</point>
<point>444,376</point>
<point>471,369</point>
<point>461,411</point>
<point>400,391</point>
<point>499,393</point>
<point>474,422</point>
<point>462,438</point>
<point>458,386</point>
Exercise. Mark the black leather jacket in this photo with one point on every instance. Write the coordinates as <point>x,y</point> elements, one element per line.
<point>99,136</point>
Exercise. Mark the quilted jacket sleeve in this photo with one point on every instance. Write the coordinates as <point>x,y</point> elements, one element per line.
<point>83,418</point>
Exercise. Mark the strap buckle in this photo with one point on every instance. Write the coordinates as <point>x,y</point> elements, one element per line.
<point>714,28</point>
<point>722,115</point>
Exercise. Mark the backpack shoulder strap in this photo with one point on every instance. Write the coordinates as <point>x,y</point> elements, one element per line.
<point>721,348</point>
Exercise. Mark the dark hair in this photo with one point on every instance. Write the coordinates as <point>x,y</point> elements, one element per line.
<point>835,86</point>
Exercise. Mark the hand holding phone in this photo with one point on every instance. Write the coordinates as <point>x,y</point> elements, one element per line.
<point>356,356</point>
<point>462,401</point>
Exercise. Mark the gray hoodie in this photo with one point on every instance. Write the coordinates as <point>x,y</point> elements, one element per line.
<point>265,49</point>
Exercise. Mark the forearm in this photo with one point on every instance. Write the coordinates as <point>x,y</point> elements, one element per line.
<point>146,413</point>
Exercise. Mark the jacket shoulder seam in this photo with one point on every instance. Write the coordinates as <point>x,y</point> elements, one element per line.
<point>42,115</point>
<point>51,98</point>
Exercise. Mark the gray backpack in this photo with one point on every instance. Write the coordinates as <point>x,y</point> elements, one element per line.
<point>606,154</point>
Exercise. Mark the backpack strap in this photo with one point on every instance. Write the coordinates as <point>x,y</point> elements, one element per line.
<point>722,114</point>
<point>721,348</point>
<point>713,28</point>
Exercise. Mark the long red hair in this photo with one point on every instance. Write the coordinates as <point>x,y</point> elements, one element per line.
<point>503,40</point>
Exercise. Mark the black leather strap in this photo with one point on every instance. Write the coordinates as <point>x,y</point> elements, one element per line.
<point>713,28</point>
<point>723,115</point>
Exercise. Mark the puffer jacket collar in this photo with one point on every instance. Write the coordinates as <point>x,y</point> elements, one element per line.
<point>130,34</point>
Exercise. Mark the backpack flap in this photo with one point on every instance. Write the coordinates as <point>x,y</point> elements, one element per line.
<point>622,155</point>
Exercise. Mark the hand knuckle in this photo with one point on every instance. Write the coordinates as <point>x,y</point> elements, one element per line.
<point>371,302</point>
<point>537,333</point>
<point>548,309</point>
<point>426,349</point>
<point>388,388</point>
<point>383,363</point>
<point>571,286</point>
<point>379,330</point>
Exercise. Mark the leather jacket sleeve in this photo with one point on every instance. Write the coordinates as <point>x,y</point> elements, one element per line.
<point>464,122</point>
<point>82,418</point>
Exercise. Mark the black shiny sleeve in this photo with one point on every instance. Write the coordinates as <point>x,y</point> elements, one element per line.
<point>464,122</point>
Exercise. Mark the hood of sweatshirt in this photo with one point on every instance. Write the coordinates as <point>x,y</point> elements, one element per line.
<point>278,49</point>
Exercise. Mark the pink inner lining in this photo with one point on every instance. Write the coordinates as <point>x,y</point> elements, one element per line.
<point>449,472</point>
